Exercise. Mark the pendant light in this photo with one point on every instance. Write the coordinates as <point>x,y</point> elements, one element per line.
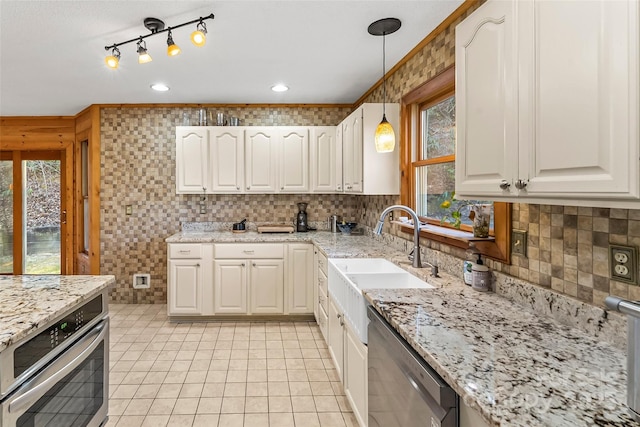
<point>172,47</point>
<point>385,138</point>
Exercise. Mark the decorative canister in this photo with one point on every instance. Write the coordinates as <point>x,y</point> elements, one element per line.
<point>481,278</point>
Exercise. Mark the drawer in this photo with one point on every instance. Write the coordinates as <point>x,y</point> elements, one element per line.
<point>241,250</point>
<point>322,263</point>
<point>323,283</point>
<point>323,322</point>
<point>185,250</point>
<point>323,301</point>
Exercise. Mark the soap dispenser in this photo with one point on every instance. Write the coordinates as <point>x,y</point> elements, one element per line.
<point>481,276</point>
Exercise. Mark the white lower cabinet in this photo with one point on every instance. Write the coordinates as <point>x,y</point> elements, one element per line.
<point>267,286</point>
<point>190,282</point>
<point>299,278</point>
<point>349,356</point>
<point>230,286</point>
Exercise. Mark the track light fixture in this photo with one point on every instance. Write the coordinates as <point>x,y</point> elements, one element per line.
<point>156,26</point>
<point>385,137</point>
<point>114,59</point>
<point>172,48</point>
<point>199,36</point>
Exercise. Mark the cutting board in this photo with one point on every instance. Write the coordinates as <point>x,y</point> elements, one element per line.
<point>275,228</point>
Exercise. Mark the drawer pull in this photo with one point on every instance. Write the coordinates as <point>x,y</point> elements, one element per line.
<point>197,265</point>
<point>185,251</point>
<point>242,265</point>
<point>246,251</point>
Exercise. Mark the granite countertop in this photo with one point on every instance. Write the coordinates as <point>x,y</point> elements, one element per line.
<point>28,302</point>
<point>515,368</point>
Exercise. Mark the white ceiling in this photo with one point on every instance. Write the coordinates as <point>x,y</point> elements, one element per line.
<point>52,52</point>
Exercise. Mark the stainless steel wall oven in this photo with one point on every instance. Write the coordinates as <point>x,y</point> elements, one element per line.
<point>59,376</point>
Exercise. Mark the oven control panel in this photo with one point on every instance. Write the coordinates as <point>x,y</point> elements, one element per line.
<point>36,348</point>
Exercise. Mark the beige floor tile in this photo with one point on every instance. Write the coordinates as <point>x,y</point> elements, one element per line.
<point>219,365</point>
<point>306,419</point>
<point>125,391</point>
<point>180,366</point>
<point>195,377</point>
<point>350,419</point>
<point>162,406</point>
<point>169,391</point>
<point>326,404</point>
<point>343,403</point>
<point>206,420</point>
<point>175,377</point>
<point>155,421</point>
<point>130,421</point>
<point>321,388</point>
<point>314,364</point>
<point>300,388</point>
<point>112,421</point>
<point>213,390</point>
<point>303,404</point>
<point>280,404</point>
<point>257,364</point>
<point>186,406</point>
<point>167,355</point>
<point>191,390</point>
<point>280,388</point>
<point>117,406</point>
<point>276,364</point>
<point>295,363</point>
<point>216,377</point>
<point>317,375</point>
<point>155,377</point>
<point>297,375</point>
<point>331,419</point>
<point>200,365</point>
<point>237,376</point>
<point>209,405</point>
<point>277,375</point>
<point>147,391</point>
<point>177,420</point>
<point>232,405</point>
<point>238,364</point>
<point>257,389</point>
<point>256,375</point>
<point>281,419</point>
<point>256,404</point>
<point>235,389</point>
<point>231,420</point>
<point>256,420</point>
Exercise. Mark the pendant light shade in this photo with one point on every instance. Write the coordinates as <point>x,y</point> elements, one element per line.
<point>113,60</point>
<point>172,48</point>
<point>199,36</point>
<point>143,56</point>
<point>385,137</point>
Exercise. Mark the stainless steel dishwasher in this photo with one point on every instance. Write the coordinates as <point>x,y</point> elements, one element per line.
<point>403,390</point>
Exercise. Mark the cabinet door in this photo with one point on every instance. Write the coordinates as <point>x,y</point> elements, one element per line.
<point>261,161</point>
<point>300,278</point>
<point>316,276</point>
<point>230,286</point>
<point>355,162</point>
<point>323,160</point>
<point>486,101</point>
<point>185,287</point>
<point>336,339</point>
<point>294,160</point>
<point>192,166</point>
<point>356,375</point>
<point>339,160</point>
<point>580,111</point>
<point>347,155</point>
<point>267,286</point>
<point>227,160</point>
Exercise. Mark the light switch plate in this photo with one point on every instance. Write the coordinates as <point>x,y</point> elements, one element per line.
<point>623,262</point>
<point>519,242</point>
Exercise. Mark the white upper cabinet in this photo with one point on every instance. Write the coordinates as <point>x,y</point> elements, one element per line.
<point>324,160</point>
<point>261,159</point>
<point>294,160</point>
<point>364,170</point>
<point>192,166</point>
<point>226,159</point>
<point>486,116</point>
<point>547,102</point>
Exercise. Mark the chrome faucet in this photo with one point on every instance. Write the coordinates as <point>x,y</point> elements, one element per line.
<point>417,262</point>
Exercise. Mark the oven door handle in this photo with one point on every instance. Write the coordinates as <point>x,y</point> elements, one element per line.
<point>59,368</point>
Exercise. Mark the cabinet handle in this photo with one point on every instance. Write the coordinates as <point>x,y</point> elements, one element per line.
<point>521,184</point>
<point>504,184</point>
<point>254,264</point>
<point>338,315</point>
<point>248,251</point>
<point>238,187</point>
<point>242,265</point>
<point>281,188</point>
<point>184,251</point>
<point>341,322</point>
<point>248,188</point>
<point>197,265</point>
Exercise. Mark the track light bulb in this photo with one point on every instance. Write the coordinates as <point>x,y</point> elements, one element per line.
<point>143,56</point>
<point>172,48</point>
<point>199,36</point>
<point>113,60</point>
<point>385,137</point>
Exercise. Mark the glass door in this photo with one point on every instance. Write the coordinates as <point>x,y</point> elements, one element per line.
<point>31,214</point>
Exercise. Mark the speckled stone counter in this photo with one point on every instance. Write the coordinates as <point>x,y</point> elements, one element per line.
<point>515,368</point>
<point>28,302</point>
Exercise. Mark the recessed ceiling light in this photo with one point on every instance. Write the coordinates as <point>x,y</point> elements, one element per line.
<point>280,88</point>
<point>160,87</point>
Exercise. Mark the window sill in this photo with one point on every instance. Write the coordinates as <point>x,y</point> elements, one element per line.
<point>458,238</point>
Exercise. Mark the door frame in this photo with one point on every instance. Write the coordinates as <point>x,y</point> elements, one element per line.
<point>58,151</point>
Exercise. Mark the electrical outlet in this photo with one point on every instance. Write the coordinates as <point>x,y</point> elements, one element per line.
<point>141,281</point>
<point>519,242</point>
<point>623,262</point>
<point>128,210</point>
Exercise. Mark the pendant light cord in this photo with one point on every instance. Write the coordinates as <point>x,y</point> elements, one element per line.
<point>384,80</point>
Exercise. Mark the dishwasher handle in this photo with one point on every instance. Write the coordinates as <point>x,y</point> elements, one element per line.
<point>623,306</point>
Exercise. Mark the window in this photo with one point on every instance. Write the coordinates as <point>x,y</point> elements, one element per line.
<point>428,169</point>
